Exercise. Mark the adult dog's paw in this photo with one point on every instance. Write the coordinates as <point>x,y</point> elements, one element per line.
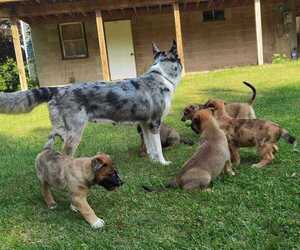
<point>166,163</point>
<point>98,224</point>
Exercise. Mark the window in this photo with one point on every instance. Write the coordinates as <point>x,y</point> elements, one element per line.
<point>213,15</point>
<point>73,40</point>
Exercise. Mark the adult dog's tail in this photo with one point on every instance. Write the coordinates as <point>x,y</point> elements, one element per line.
<point>252,100</point>
<point>289,138</point>
<point>25,101</point>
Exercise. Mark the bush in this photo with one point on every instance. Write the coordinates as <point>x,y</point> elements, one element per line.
<point>9,77</point>
<point>280,58</point>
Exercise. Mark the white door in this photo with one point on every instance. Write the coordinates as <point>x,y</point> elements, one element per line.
<point>120,49</point>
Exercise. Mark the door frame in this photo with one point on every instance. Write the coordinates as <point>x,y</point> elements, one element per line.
<point>132,36</point>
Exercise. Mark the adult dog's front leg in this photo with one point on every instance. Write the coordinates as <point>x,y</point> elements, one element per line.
<point>153,145</point>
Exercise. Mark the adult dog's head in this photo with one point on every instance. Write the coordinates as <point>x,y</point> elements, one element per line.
<point>168,64</point>
<point>190,110</point>
<point>105,174</point>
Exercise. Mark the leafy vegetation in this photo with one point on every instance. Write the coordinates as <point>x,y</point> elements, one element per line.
<point>257,209</point>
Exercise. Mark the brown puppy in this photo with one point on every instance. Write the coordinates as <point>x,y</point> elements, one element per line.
<point>211,158</point>
<point>261,134</point>
<point>168,136</point>
<point>77,175</point>
<point>235,109</point>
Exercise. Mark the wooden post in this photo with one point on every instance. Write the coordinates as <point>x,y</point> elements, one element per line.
<point>292,27</point>
<point>18,52</point>
<point>179,34</point>
<point>102,45</point>
<point>259,37</point>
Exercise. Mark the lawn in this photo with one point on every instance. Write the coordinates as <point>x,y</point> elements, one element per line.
<point>257,209</point>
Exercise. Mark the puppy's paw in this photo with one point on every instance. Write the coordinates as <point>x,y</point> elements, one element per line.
<point>52,206</point>
<point>73,208</point>
<point>231,172</point>
<point>257,165</point>
<point>98,224</point>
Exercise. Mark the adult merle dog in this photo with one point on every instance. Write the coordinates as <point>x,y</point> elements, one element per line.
<point>144,100</point>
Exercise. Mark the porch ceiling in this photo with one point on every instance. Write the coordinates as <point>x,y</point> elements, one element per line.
<point>31,9</point>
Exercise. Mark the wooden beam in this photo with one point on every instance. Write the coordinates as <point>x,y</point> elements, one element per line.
<point>82,5</point>
<point>259,35</point>
<point>18,51</point>
<point>178,31</point>
<point>102,45</point>
<point>12,1</point>
<point>292,27</point>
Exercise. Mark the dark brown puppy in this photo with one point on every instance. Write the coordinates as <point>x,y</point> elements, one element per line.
<point>261,134</point>
<point>168,136</point>
<point>211,158</point>
<point>235,110</point>
<point>77,175</point>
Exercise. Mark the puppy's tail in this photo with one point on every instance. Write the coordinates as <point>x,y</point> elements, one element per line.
<point>25,101</point>
<point>186,141</point>
<point>171,184</point>
<point>289,138</point>
<point>252,100</point>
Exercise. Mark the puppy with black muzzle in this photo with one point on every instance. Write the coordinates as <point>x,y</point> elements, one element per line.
<point>262,134</point>
<point>169,137</point>
<point>239,110</point>
<point>77,175</point>
<point>209,161</point>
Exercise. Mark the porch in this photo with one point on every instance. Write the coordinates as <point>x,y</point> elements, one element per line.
<point>90,40</point>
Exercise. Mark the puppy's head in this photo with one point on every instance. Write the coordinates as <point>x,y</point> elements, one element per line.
<point>105,174</point>
<point>189,111</point>
<point>199,118</point>
<point>215,104</point>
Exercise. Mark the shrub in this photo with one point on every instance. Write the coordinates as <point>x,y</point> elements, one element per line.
<point>280,58</point>
<point>9,77</point>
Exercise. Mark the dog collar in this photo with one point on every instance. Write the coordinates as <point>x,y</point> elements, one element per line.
<point>159,73</point>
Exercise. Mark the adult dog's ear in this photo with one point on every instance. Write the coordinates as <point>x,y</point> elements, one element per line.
<point>97,164</point>
<point>173,49</point>
<point>155,49</point>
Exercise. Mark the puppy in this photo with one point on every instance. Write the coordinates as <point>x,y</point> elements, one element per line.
<point>77,175</point>
<point>209,161</point>
<point>235,109</point>
<point>168,136</point>
<point>261,134</point>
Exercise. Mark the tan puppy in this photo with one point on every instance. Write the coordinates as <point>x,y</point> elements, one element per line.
<point>209,161</point>
<point>77,175</point>
<point>168,136</point>
<point>235,109</point>
<point>261,134</point>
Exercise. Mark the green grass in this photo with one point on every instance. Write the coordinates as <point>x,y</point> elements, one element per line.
<point>257,209</point>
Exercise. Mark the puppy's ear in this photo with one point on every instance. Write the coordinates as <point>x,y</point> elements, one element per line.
<point>155,49</point>
<point>211,105</point>
<point>97,164</point>
<point>196,119</point>
<point>173,49</point>
<point>212,110</point>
